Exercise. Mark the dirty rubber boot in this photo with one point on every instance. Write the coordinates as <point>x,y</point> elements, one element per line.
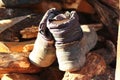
<point>71,41</point>
<point>43,54</point>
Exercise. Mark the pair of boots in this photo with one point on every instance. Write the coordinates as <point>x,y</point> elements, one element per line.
<point>61,36</point>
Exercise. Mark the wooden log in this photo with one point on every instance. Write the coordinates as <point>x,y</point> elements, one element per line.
<point>85,7</point>
<point>50,73</point>
<point>7,23</point>
<point>112,3</point>
<point>16,46</point>
<point>8,34</point>
<point>8,13</point>
<point>16,62</point>
<point>28,47</point>
<point>108,52</point>
<point>17,3</point>
<point>79,5</point>
<point>44,5</point>
<point>3,48</point>
<point>37,7</point>
<point>109,74</point>
<point>96,26</point>
<point>31,32</point>
<point>108,16</point>
<point>20,76</point>
<point>117,73</point>
<point>95,65</point>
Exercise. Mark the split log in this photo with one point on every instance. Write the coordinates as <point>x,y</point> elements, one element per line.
<point>112,3</point>
<point>28,48</point>
<point>8,13</point>
<point>109,74</point>
<point>14,30</point>
<point>16,62</point>
<point>19,76</point>
<point>17,4</point>
<point>31,32</point>
<point>79,5</point>
<point>25,46</point>
<point>10,62</point>
<point>108,52</point>
<point>95,65</point>
<point>44,5</point>
<point>7,23</point>
<point>3,48</point>
<point>117,74</point>
<point>95,26</point>
<point>35,6</point>
<point>108,15</point>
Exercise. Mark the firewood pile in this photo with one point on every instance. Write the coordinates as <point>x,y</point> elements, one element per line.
<point>19,28</point>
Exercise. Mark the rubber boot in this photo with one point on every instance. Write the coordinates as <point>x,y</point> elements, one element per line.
<point>43,53</point>
<point>71,41</point>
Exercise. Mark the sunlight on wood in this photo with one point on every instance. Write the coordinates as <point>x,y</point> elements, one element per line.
<point>4,24</point>
<point>3,48</point>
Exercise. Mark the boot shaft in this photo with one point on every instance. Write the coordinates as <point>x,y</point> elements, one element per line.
<point>65,28</point>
